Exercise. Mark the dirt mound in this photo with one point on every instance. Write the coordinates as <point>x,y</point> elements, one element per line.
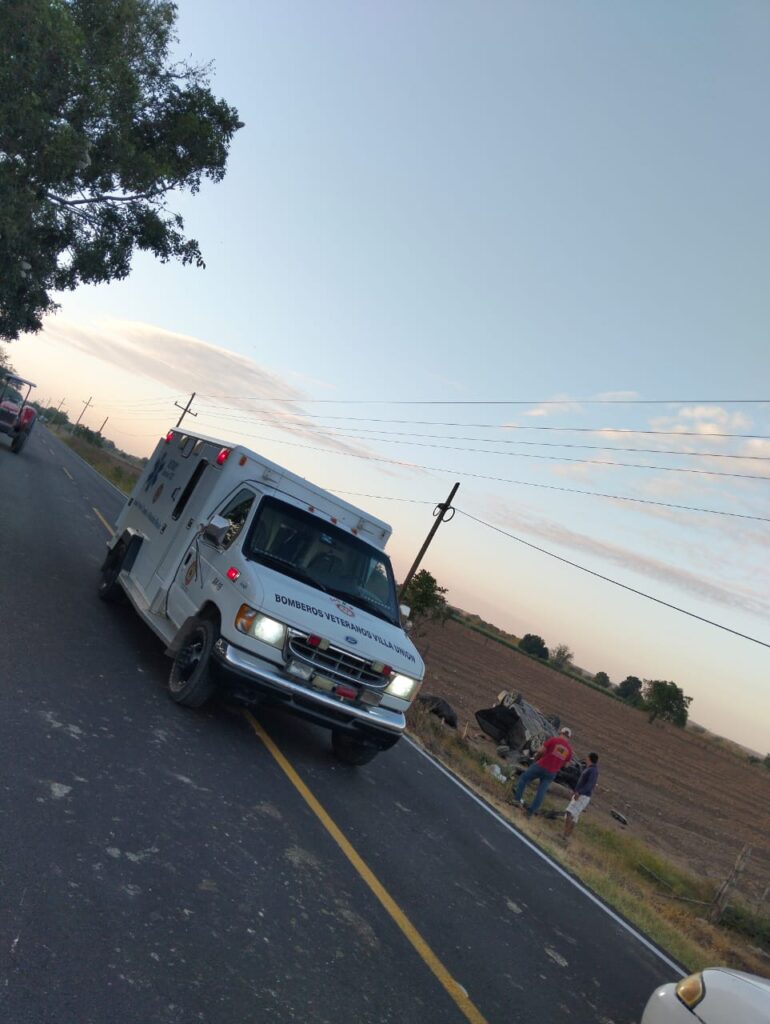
<point>694,801</point>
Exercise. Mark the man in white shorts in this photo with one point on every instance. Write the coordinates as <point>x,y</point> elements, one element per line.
<point>582,795</point>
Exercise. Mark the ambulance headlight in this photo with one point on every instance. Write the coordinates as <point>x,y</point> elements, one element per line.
<point>261,627</point>
<point>403,687</point>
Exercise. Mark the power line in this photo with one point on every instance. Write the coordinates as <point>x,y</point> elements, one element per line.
<point>552,444</point>
<point>508,401</point>
<point>498,426</point>
<point>521,483</point>
<point>130,402</point>
<point>608,579</point>
<point>560,458</point>
<point>385,497</point>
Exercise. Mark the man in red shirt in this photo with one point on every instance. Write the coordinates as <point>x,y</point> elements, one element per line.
<point>553,755</point>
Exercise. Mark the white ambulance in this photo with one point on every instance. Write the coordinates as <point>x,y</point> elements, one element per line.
<point>262,582</point>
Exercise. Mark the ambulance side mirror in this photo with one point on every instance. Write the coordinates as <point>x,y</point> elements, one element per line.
<point>216,529</point>
<point>406,611</point>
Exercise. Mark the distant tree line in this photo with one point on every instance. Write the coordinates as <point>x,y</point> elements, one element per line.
<point>660,698</point>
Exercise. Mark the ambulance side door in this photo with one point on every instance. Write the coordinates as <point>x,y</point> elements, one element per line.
<point>200,574</point>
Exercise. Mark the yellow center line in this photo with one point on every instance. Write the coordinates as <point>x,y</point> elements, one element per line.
<point>102,520</point>
<point>452,987</point>
<point>68,473</point>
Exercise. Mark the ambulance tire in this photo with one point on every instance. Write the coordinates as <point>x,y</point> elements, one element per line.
<point>109,588</point>
<point>190,680</point>
<point>352,751</point>
<point>18,443</point>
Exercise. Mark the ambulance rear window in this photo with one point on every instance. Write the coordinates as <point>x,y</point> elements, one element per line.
<point>184,497</point>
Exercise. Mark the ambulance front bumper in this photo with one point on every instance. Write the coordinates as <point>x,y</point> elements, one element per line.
<point>252,678</point>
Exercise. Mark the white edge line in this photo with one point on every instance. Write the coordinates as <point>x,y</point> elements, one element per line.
<point>99,476</point>
<point>490,810</point>
<point>544,856</point>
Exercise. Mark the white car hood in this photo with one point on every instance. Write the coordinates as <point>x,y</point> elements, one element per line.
<point>340,622</point>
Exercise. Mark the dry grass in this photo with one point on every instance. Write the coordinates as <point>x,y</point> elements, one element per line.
<point>616,866</point>
<point>112,467</point>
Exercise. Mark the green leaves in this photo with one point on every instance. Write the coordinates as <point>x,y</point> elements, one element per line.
<point>425,597</point>
<point>666,700</point>
<point>533,644</point>
<point>97,130</point>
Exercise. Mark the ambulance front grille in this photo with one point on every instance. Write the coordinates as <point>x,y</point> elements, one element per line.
<point>334,663</point>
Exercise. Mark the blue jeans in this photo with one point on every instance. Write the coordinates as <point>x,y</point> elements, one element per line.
<point>534,772</point>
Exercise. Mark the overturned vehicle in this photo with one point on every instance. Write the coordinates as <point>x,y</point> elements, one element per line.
<point>516,724</point>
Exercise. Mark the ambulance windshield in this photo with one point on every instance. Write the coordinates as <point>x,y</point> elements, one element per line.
<point>324,556</point>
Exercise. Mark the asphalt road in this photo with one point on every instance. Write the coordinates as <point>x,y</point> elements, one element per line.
<point>159,864</point>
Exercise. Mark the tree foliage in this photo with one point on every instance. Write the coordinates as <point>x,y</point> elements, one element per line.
<point>98,127</point>
<point>55,416</point>
<point>562,657</point>
<point>425,597</point>
<point>630,689</point>
<point>602,679</point>
<point>6,366</point>
<point>531,643</point>
<point>664,699</point>
<point>91,436</point>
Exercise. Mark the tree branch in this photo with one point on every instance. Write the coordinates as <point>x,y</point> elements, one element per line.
<point>102,197</point>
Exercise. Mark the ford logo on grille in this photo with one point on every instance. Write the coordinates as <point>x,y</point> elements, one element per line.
<point>351,640</point>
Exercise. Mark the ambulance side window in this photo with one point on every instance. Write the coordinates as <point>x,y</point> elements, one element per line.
<point>198,472</point>
<point>237,512</point>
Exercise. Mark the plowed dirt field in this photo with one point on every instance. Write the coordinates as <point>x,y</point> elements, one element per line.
<point>681,792</point>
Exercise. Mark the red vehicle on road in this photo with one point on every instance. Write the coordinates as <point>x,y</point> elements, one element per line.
<point>16,417</point>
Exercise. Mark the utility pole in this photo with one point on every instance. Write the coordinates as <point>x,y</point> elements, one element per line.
<point>723,892</point>
<point>442,513</point>
<point>55,422</point>
<point>101,428</point>
<point>84,409</point>
<point>185,409</point>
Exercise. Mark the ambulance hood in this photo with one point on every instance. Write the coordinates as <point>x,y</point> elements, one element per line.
<point>337,620</point>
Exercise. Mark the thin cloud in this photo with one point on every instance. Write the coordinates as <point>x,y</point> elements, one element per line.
<point>729,595</point>
<point>574,471</point>
<point>704,419</point>
<point>565,404</point>
<point>757,446</point>
<point>184,363</point>
<point>617,396</point>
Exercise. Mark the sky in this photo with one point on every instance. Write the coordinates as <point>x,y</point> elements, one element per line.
<point>500,244</point>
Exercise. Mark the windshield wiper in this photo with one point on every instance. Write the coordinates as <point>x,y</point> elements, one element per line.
<point>288,568</point>
<point>361,600</point>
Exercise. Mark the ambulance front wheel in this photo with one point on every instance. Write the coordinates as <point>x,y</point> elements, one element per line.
<point>190,681</point>
<point>352,751</point>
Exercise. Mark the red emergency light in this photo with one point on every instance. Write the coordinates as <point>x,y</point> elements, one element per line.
<point>224,455</point>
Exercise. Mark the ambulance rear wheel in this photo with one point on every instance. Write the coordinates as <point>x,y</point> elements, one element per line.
<point>352,751</point>
<point>190,681</point>
<point>18,443</point>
